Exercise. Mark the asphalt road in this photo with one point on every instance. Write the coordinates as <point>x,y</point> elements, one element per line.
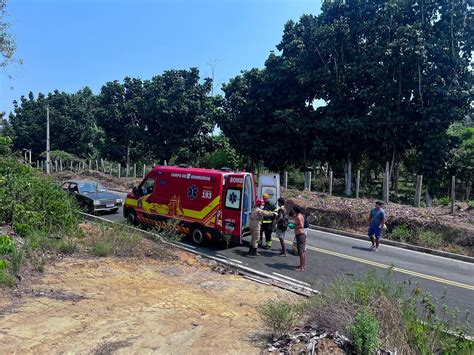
<point>331,256</point>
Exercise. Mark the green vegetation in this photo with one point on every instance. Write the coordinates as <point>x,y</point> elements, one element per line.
<point>279,316</point>
<point>419,236</point>
<point>60,155</point>
<point>365,330</point>
<point>374,312</point>
<point>37,209</point>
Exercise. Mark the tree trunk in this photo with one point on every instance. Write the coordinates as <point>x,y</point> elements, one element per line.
<point>128,154</point>
<point>396,176</point>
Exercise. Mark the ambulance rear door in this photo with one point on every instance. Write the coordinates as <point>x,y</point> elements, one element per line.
<point>270,184</point>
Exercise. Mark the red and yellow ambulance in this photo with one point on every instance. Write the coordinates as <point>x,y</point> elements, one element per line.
<point>208,204</point>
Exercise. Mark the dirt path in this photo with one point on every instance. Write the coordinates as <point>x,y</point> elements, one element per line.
<point>136,306</point>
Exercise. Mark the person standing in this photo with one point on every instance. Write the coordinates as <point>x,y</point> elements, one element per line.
<point>300,236</point>
<point>282,224</point>
<point>377,223</point>
<point>256,216</point>
<point>267,223</point>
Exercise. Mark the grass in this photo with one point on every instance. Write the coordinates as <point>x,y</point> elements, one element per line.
<point>375,313</point>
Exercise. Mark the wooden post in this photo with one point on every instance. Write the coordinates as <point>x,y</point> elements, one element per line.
<point>285,177</point>
<point>307,180</point>
<point>468,190</point>
<point>90,165</point>
<point>60,165</point>
<point>453,193</point>
<point>419,183</point>
<point>96,165</point>
<point>127,171</point>
<point>102,166</point>
<point>357,183</point>
<point>118,170</point>
<point>56,165</point>
<point>386,191</point>
<point>71,166</point>
<point>144,171</point>
<point>135,170</point>
<point>111,168</point>
<point>330,182</point>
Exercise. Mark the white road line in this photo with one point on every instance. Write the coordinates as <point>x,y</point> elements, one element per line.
<point>186,245</point>
<point>393,247</point>
<point>291,279</point>
<point>237,261</point>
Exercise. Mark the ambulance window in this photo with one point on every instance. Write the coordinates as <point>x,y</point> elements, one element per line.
<point>147,186</point>
<point>232,199</point>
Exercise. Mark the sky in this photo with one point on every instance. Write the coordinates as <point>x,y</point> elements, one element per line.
<point>69,44</point>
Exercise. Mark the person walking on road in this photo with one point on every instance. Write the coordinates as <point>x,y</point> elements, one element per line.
<point>377,224</point>
<point>256,216</point>
<point>282,224</point>
<point>267,223</point>
<point>300,236</point>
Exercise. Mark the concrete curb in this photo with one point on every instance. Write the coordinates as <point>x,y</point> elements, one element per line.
<point>243,270</point>
<point>393,243</point>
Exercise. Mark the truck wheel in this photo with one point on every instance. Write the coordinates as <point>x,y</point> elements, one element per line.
<point>132,218</point>
<point>198,236</point>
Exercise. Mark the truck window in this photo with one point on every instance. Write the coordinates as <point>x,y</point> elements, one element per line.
<point>147,186</point>
<point>232,199</point>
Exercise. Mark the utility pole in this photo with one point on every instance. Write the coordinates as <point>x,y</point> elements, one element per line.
<point>48,158</point>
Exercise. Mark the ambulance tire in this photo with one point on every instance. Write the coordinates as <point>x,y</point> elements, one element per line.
<point>132,218</point>
<point>198,235</point>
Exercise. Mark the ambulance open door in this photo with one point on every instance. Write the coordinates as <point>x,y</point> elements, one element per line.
<point>248,202</point>
<point>270,184</point>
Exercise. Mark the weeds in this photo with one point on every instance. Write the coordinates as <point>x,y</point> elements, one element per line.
<point>365,332</point>
<point>401,233</point>
<point>430,239</point>
<point>279,316</point>
<point>373,311</point>
<point>102,249</point>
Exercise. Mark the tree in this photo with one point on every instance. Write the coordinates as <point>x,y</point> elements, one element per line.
<point>7,40</point>
<point>72,122</point>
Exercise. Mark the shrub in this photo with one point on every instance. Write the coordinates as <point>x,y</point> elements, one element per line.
<point>102,249</point>
<point>67,246</point>
<point>365,332</point>
<point>401,233</point>
<point>279,316</point>
<point>6,244</point>
<point>430,239</point>
<point>442,201</point>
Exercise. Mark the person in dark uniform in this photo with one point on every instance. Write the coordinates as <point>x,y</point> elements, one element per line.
<point>267,223</point>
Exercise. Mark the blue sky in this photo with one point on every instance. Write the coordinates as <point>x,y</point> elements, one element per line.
<point>69,44</point>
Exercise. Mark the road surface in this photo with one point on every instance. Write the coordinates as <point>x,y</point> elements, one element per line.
<point>331,256</point>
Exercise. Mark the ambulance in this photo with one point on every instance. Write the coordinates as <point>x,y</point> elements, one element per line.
<point>209,204</point>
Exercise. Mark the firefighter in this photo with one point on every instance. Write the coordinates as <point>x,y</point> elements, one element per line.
<point>267,223</point>
<point>256,217</point>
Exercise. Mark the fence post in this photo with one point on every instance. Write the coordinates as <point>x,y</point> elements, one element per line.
<point>60,165</point>
<point>102,166</point>
<point>285,177</point>
<point>357,183</point>
<point>453,193</point>
<point>126,172</point>
<point>330,182</point>
<point>468,190</point>
<point>118,170</point>
<point>419,183</point>
<point>307,180</point>
<point>111,168</point>
<point>144,170</point>
<point>386,182</point>
<point>96,165</point>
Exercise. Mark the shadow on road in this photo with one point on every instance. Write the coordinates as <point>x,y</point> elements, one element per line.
<point>361,248</point>
<point>281,266</point>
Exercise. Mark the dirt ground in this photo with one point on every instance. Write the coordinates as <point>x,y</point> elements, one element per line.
<point>134,305</point>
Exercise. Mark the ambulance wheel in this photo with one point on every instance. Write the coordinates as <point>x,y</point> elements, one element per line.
<point>132,218</point>
<point>198,236</point>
